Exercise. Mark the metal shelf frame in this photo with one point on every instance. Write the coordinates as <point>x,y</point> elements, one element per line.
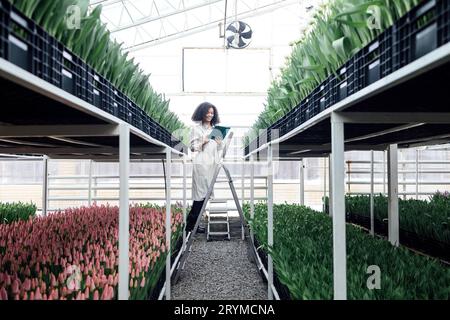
<point>336,118</point>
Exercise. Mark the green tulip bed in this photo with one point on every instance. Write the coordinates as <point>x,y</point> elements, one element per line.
<point>339,30</point>
<point>92,43</point>
<point>428,222</point>
<point>10,212</point>
<point>303,261</point>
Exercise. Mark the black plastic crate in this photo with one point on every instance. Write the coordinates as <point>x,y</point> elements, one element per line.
<point>283,125</point>
<point>444,22</point>
<point>99,92</point>
<point>302,113</point>
<point>30,47</point>
<point>18,33</point>
<point>326,100</point>
<point>343,83</point>
<point>159,133</point>
<point>69,71</point>
<point>263,137</point>
<point>420,31</point>
<point>167,137</point>
<point>147,126</point>
<point>3,30</point>
<point>308,108</point>
<point>253,144</point>
<point>138,116</point>
<point>296,115</point>
<point>42,57</point>
<point>125,112</point>
<point>374,61</point>
<point>320,98</point>
<point>155,129</point>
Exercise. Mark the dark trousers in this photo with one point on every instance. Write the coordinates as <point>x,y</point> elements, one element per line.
<point>193,215</point>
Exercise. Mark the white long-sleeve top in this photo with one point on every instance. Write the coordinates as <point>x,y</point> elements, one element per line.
<point>204,161</point>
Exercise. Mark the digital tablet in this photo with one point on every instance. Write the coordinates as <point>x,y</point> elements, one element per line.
<point>219,132</point>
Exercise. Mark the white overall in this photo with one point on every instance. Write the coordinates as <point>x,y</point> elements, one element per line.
<point>204,161</point>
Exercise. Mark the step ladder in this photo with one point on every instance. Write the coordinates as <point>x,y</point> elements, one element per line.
<point>181,263</point>
<point>217,213</point>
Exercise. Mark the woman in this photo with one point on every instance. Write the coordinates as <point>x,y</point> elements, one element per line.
<point>206,156</point>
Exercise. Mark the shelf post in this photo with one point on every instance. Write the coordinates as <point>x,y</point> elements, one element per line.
<point>168,221</point>
<point>302,183</point>
<point>243,196</point>
<point>372,231</point>
<point>393,218</point>
<point>124,207</point>
<point>184,199</point>
<point>330,185</point>
<point>270,219</point>
<point>90,184</point>
<point>338,207</point>
<point>252,192</point>
<point>45,186</point>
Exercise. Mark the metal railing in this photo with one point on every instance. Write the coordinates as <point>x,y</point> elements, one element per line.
<point>419,171</point>
<point>93,188</point>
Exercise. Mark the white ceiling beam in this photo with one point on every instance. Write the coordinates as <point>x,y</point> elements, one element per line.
<point>212,24</point>
<point>161,17</point>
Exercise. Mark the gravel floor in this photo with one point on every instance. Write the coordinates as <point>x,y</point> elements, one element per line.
<point>219,270</point>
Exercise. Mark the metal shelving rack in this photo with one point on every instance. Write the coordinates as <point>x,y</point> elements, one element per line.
<point>407,108</point>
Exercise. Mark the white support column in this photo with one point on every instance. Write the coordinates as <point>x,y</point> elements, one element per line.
<point>417,174</point>
<point>324,184</point>
<point>302,183</point>
<point>349,176</point>
<point>393,218</point>
<point>95,189</point>
<point>184,199</point>
<point>252,191</point>
<point>243,196</point>
<point>330,186</point>
<point>90,184</point>
<point>384,172</point>
<point>404,180</point>
<point>338,207</point>
<point>168,221</point>
<point>124,234</point>
<point>372,231</point>
<point>45,186</point>
<point>270,220</point>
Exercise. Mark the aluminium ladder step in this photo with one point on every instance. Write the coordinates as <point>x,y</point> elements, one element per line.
<point>219,233</point>
<point>218,209</point>
<point>219,222</point>
<point>218,216</point>
<point>218,201</point>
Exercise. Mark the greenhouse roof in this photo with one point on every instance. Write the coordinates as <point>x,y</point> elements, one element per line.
<point>142,23</point>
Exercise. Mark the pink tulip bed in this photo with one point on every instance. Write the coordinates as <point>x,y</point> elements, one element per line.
<point>73,254</point>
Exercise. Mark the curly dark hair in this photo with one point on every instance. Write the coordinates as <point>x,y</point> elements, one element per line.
<point>202,110</point>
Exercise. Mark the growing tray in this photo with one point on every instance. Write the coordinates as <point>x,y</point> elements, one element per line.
<point>30,47</point>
